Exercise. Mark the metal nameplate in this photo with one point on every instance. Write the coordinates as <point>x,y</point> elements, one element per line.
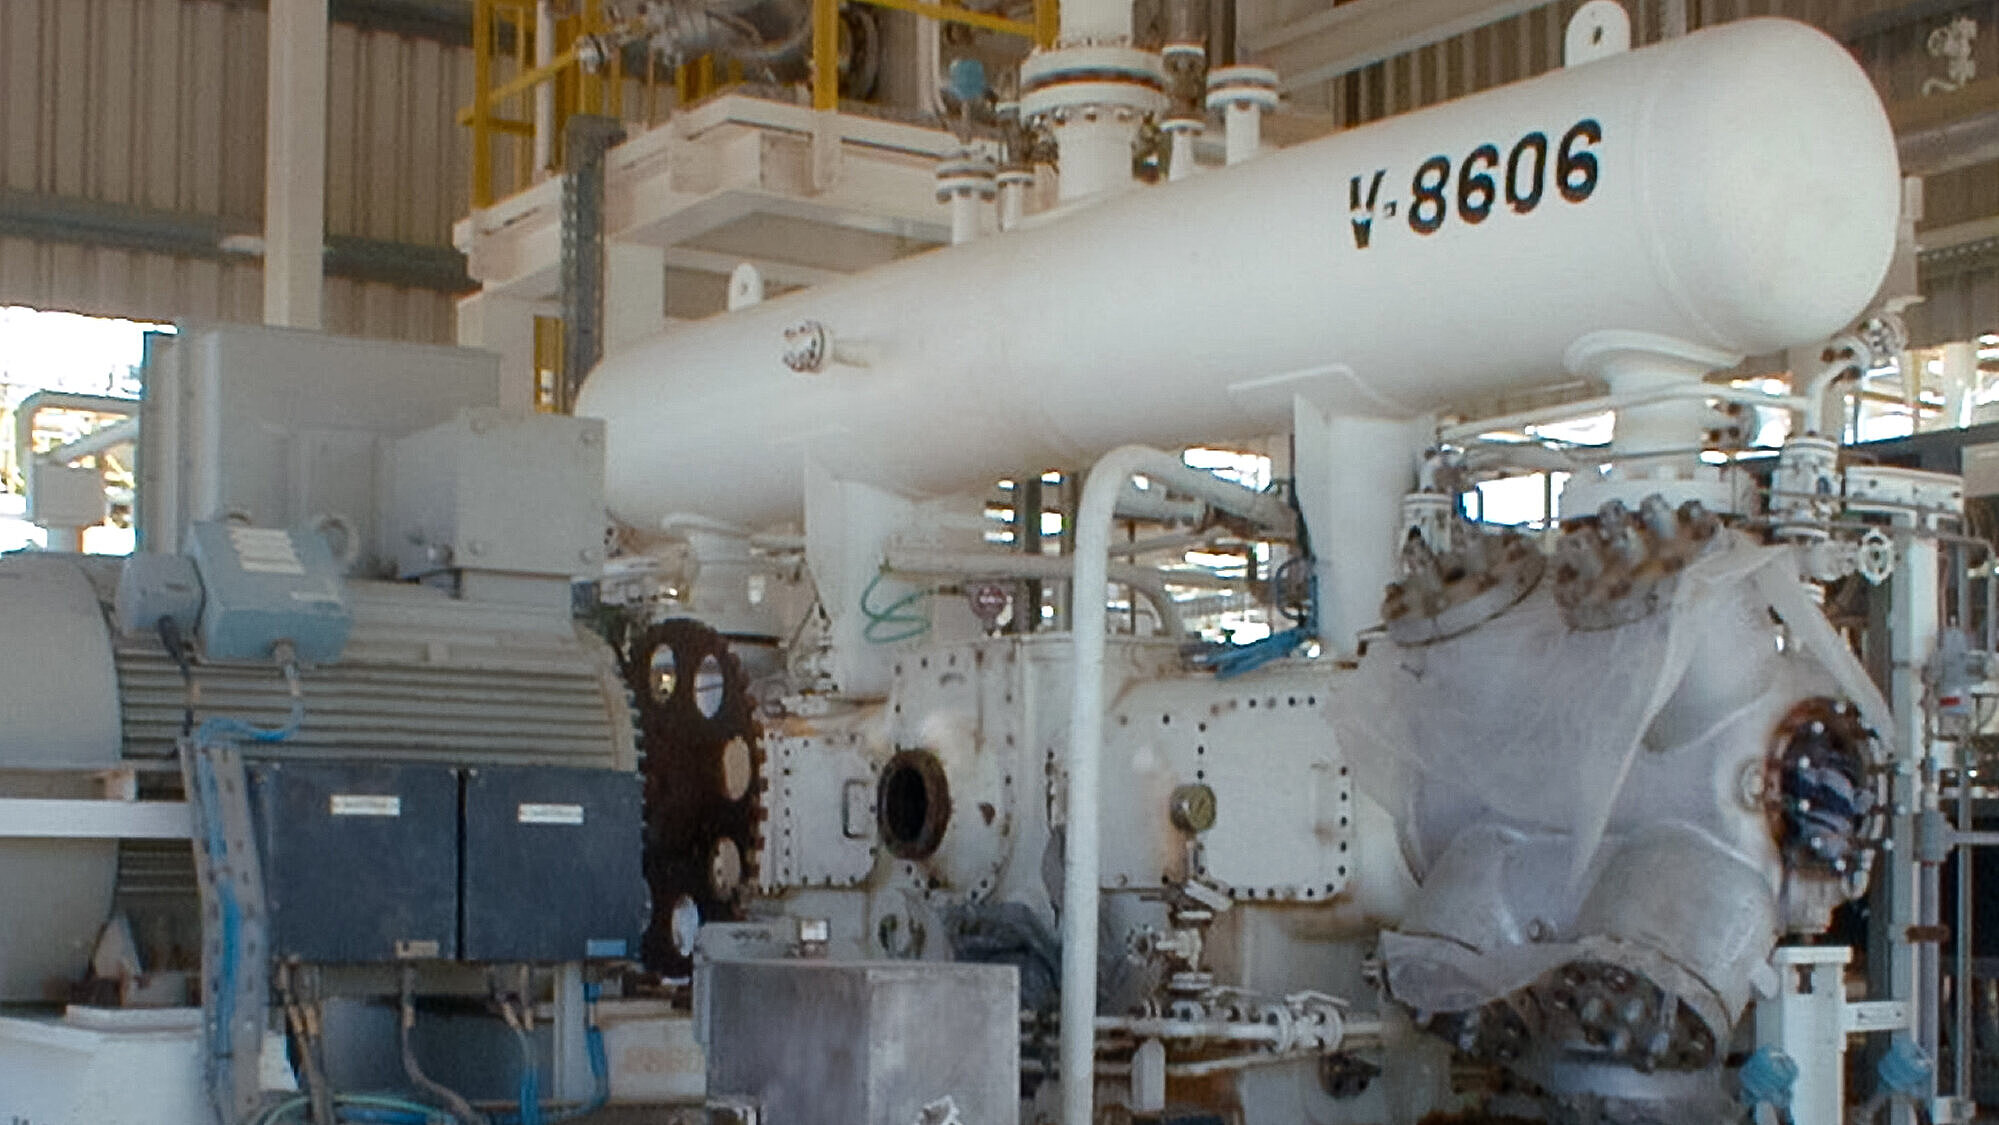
<point>550,814</point>
<point>363,804</point>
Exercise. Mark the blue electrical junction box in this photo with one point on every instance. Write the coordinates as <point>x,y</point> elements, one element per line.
<point>263,585</point>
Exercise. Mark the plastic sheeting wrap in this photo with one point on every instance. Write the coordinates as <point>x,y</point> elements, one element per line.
<point>1539,724</point>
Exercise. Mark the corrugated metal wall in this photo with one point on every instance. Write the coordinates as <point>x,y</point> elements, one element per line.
<point>1531,43</point>
<point>159,104</point>
<point>1964,301</point>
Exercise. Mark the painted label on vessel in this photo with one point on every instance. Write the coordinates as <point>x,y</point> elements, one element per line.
<point>1519,178</point>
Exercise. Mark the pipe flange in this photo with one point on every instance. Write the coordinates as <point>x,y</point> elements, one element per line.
<point>1183,125</point>
<point>964,176</point>
<point>1243,86</point>
<point>807,347</point>
<point>1022,177</point>
<point>1060,85</point>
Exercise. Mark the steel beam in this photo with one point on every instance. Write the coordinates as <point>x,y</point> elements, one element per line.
<point>295,165</point>
<point>1348,37</point>
<point>42,217</point>
<point>59,819</point>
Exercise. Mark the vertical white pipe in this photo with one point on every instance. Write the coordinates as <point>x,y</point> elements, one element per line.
<point>1180,162</point>
<point>544,94</point>
<point>68,540</point>
<point>1080,868</point>
<point>1913,624</point>
<point>1088,22</point>
<point>295,163</point>
<point>1960,379</point>
<point>1096,157</point>
<point>1243,131</point>
<point>1012,199</point>
<point>964,216</point>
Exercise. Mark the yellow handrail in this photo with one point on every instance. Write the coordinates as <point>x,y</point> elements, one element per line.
<point>587,92</point>
<point>966,16</point>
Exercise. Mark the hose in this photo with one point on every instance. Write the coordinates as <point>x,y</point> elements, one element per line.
<point>223,727</point>
<point>461,1109</point>
<point>529,1108</point>
<point>904,626</point>
<point>359,1108</point>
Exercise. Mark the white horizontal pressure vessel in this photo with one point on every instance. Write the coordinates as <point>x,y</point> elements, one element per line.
<point>1735,190</point>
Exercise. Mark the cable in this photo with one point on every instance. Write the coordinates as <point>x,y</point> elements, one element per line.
<point>461,1110</point>
<point>529,1109</point>
<point>380,1108</point>
<point>222,727</point>
<point>176,646</point>
<point>909,625</point>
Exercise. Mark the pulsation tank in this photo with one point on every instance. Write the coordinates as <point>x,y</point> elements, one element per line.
<point>1727,193</point>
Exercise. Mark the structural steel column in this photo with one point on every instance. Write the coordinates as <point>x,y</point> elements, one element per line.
<point>295,164</point>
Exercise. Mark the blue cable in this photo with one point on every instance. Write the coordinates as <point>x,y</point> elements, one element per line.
<point>529,1109</point>
<point>212,733</point>
<point>1229,661</point>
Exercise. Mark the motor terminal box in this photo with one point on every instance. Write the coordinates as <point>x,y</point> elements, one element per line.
<point>378,862</point>
<point>263,585</point>
<point>553,864</point>
<point>360,860</point>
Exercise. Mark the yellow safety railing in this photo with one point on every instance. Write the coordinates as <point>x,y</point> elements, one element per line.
<point>577,88</point>
<point>504,107</point>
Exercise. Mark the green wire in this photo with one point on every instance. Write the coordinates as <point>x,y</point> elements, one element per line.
<point>277,1112</point>
<point>908,626</point>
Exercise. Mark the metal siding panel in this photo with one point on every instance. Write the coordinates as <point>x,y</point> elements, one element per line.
<point>202,80</point>
<point>458,170</point>
<point>118,57</point>
<point>385,143</point>
<point>242,118</point>
<point>427,118</point>
<point>343,82</point>
<point>20,93</point>
<point>66,83</point>
<point>201,286</point>
<point>18,285</point>
<point>245,296</point>
<point>159,107</point>
<point>68,277</point>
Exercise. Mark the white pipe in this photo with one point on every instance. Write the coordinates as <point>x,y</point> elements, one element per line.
<point>1181,163</point>
<point>1096,157</point>
<point>1086,734</point>
<point>544,94</point>
<point>96,441</point>
<point>1151,584</point>
<point>964,217</point>
<point>1242,131</point>
<point>1095,22</point>
<point>1960,376</point>
<point>930,68</point>
<point>34,404</point>
<point>1012,200</point>
<point>1850,359</point>
<point>65,540</point>
<point>1562,412</point>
